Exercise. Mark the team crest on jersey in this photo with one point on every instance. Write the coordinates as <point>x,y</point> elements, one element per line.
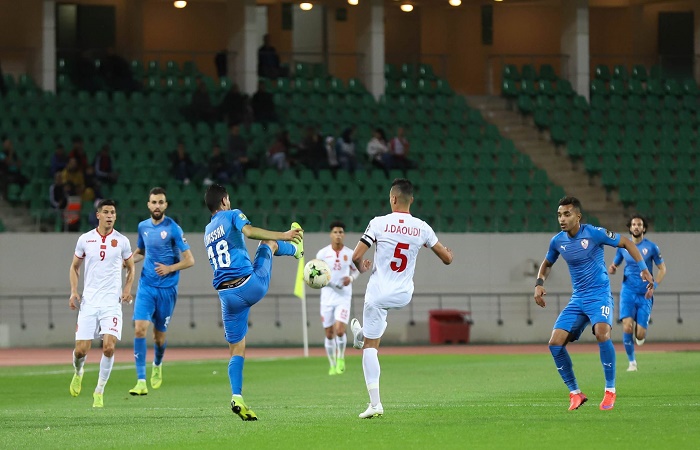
<point>611,234</point>
<point>163,234</point>
<point>645,251</point>
<point>584,243</point>
<point>114,242</point>
<point>345,257</point>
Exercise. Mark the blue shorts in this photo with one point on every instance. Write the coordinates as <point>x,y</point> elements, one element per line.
<point>236,302</point>
<point>155,304</point>
<point>581,311</point>
<point>634,305</point>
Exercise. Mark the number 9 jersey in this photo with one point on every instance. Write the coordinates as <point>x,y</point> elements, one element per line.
<point>398,237</point>
<point>226,247</point>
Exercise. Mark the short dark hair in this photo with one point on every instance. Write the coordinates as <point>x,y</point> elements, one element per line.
<point>105,202</point>
<point>570,201</point>
<point>336,223</point>
<point>403,186</point>
<point>640,217</point>
<point>215,194</point>
<point>157,191</point>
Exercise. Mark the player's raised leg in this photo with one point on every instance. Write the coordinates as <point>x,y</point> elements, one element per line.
<point>356,330</point>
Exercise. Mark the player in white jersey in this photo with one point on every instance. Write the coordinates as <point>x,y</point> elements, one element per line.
<point>397,238</point>
<point>105,252</point>
<point>337,296</point>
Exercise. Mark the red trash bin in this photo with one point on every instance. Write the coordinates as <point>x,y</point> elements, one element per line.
<point>449,326</point>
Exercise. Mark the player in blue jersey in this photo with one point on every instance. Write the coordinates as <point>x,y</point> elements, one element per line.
<point>165,252</point>
<point>581,246</point>
<point>240,282</point>
<point>635,299</point>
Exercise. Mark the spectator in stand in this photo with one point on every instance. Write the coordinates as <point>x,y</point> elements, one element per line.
<point>332,155</point>
<point>263,106</point>
<point>345,149</point>
<point>59,159</point>
<point>117,72</point>
<point>92,185</point>
<point>57,193</point>
<point>278,154</point>
<point>200,108</point>
<point>378,151</point>
<point>73,176</point>
<point>312,151</point>
<point>268,60</point>
<point>183,168</point>
<point>71,213</point>
<point>237,152</point>
<point>10,166</point>
<point>234,106</point>
<point>399,148</point>
<point>218,167</point>
<point>78,152</point>
<point>104,168</point>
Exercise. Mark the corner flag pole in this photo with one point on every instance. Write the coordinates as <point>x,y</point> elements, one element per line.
<point>300,291</point>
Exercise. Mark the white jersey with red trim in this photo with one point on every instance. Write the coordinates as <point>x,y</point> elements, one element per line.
<point>397,238</point>
<point>341,266</point>
<point>104,257</point>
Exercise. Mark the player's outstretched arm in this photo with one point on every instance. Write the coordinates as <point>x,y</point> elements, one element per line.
<point>542,275</point>
<point>139,255</point>
<point>362,265</point>
<point>126,292</point>
<point>262,234</point>
<point>442,252</point>
<point>74,276</point>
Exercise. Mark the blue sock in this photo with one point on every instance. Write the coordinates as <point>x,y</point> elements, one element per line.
<point>284,248</point>
<point>235,374</point>
<point>564,365</point>
<point>140,357</point>
<point>159,350</point>
<point>607,357</point>
<point>629,345</point>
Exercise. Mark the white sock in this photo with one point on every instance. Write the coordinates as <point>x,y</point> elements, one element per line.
<point>370,366</point>
<point>330,351</point>
<point>610,389</point>
<point>342,342</point>
<point>78,363</point>
<point>106,364</point>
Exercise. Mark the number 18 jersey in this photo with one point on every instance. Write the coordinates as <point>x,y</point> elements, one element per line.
<point>397,238</point>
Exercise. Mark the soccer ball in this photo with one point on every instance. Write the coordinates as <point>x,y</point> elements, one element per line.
<point>317,274</point>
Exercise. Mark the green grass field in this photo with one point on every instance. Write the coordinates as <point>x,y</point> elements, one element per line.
<point>436,401</point>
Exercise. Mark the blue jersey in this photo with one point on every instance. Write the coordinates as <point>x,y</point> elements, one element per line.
<point>225,245</point>
<point>585,256</point>
<point>651,254</point>
<point>162,243</point>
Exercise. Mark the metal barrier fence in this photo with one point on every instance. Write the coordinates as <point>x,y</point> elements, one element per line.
<point>495,309</point>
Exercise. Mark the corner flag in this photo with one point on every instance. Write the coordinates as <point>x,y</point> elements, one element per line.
<point>300,292</point>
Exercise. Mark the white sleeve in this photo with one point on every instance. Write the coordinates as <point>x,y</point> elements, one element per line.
<point>369,237</point>
<point>79,248</point>
<point>318,254</point>
<point>430,237</point>
<point>126,249</point>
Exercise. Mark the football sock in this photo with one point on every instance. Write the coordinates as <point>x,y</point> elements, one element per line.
<point>342,342</point>
<point>607,358</point>
<point>564,365</point>
<point>106,364</point>
<point>629,345</point>
<point>284,248</point>
<point>78,363</point>
<point>370,366</point>
<point>140,357</point>
<point>330,351</point>
<point>235,374</point>
<point>159,351</point>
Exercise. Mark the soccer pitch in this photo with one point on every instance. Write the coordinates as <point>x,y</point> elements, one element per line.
<point>430,401</point>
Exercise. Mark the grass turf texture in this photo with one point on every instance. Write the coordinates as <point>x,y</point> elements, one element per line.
<point>434,401</point>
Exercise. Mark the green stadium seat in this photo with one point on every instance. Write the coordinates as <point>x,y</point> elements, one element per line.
<point>620,73</point>
<point>528,72</point>
<point>639,72</point>
<point>602,73</point>
<point>547,73</point>
<point>510,72</point>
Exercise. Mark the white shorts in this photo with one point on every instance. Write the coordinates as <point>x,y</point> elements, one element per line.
<point>94,321</point>
<point>331,314</point>
<point>373,321</point>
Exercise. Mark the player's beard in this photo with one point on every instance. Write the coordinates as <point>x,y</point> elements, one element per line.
<point>637,234</point>
<point>156,215</point>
